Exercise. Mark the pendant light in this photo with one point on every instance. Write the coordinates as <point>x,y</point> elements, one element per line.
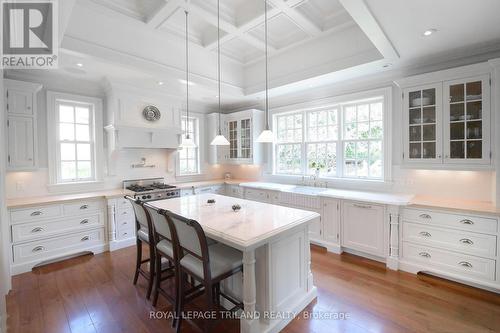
<point>219,140</point>
<point>267,135</point>
<point>187,141</point>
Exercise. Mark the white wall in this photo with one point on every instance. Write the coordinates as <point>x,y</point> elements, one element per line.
<point>4,268</point>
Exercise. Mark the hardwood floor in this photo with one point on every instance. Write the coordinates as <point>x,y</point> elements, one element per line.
<point>95,294</point>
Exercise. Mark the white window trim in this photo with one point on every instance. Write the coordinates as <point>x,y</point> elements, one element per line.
<point>201,150</point>
<point>54,185</point>
<point>386,93</point>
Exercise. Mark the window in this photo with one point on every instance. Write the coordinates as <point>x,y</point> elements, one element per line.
<point>75,146</point>
<point>189,157</point>
<point>76,161</point>
<point>344,140</point>
<point>289,144</point>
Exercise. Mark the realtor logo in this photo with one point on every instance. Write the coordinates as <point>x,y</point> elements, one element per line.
<point>30,35</point>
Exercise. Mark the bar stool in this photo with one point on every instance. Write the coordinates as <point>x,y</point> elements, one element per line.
<point>208,265</point>
<point>164,248</point>
<point>144,234</point>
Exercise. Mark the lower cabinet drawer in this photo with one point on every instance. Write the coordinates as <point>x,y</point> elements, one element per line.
<point>457,221</point>
<point>455,240</point>
<point>125,233</point>
<point>467,266</point>
<point>35,213</point>
<point>30,231</point>
<point>58,246</point>
<point>83,207</point>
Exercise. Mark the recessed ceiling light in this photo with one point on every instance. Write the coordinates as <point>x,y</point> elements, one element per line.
<point>160,83</point>
<point>79,64</point>
<point>429,32</point>
<point>188,82</point>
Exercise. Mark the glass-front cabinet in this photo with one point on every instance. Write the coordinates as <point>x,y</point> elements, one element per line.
<point>423,123</point>
<point>447,123</point>
<point>241,130</point>
<point>467,130</point>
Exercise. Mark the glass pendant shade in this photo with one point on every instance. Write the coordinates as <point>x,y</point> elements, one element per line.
<point>266,136</point>
<point>219,140</point>
<point>187,142</point>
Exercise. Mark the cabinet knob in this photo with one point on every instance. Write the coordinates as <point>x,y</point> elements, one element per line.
<point>37,213</point>
<point>425,216</point>
<point>86,238</point>
<point>37,229</point>
<point>84,221</point>
<point>467,221</point>
<point>84,206</point>
<point>424,254</point>
<point>425,234</point>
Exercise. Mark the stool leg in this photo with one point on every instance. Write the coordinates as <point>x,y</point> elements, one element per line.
<point>138,262</point>
<point>157,280</point>
<point>180,302</point>
<point>152,270</point>
<point>210,303</point>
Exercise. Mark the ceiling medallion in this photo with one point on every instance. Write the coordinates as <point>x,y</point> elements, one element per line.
<point>151,113</point>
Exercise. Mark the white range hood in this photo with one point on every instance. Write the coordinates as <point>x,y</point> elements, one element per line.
<point>122,137</point>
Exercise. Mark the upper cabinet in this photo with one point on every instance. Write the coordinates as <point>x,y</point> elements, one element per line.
<point>242,130</point>
<point>21,124</point>
<point>446,123</point>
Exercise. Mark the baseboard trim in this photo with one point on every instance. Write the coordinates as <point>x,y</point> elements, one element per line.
<point>120,244</point>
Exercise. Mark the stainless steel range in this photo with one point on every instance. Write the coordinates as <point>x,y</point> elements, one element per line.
<point>151,189</point>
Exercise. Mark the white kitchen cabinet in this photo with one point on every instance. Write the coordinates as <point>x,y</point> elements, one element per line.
<point>446,119</point>
<point>331,222</point>
<point>363,228</point>
<point>21,148</point>
<point>234,191</point>
<point>21,126</point>
<point>214,189</point>
<point>242,130</point>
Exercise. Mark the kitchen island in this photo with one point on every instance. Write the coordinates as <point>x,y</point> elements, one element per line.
<point>277,281</point>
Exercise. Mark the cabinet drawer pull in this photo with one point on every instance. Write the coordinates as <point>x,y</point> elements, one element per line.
<point>86,238</point>
<point>425,216</point>
<point>84,221</point>
<point>424,254</point>
<point>465,264</point>
<point>467,221</point>
<point>362,206</point>
<point>466,241</point>
<point>425,234</point>
<point>84,207</point>
<point>37,229</point>
<point>38,249</point>
<point>37,213</point>
<point>124,223</point>
<point>124,213</point>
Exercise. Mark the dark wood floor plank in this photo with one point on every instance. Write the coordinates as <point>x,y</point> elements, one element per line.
<point>95,294</point>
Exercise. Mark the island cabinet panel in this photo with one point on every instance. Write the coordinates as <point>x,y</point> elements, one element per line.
<point>363,227</point>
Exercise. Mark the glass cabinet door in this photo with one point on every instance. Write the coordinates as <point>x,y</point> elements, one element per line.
<point>233,139</point>
<point>246,138</point>
<point>467,120</point>
<point>423,112</point>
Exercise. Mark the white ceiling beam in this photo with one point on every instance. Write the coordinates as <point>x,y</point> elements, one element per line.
<point>231,30</point>
<point>360,12</point>
<point>300,19</point>
<point>156,19</point>
<point>65,11</point>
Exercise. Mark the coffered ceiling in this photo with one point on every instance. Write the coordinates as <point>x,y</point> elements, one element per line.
<point>291,22</point>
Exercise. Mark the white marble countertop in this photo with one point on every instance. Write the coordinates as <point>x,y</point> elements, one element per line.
<point>366,196</point>
<point>255,224</point>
